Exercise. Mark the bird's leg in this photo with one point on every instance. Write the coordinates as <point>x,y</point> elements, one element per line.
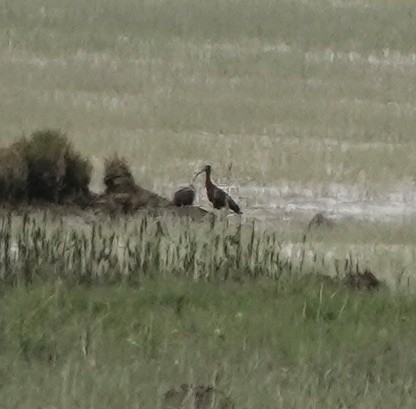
<point>223,213</point>
<point>230,167</point>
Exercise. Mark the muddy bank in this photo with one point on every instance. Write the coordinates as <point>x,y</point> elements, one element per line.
<point>45,172</point>
<point>289,201</point>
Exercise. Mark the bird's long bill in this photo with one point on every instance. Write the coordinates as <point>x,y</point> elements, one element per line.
<point>197,174</point>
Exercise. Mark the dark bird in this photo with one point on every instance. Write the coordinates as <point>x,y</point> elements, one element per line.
<point>184,196</point>
<point>216,196</point>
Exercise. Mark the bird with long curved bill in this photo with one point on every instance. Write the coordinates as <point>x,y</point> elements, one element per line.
<point>217,196</point>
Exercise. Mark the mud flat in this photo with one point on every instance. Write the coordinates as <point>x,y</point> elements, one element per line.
<point>290,201</point>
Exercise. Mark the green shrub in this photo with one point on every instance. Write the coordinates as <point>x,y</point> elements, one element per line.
<point>13,174</point>
<point>56,171</point>
<point>78,174</point>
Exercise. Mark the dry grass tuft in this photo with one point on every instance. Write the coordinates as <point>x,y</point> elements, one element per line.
<point>118,177</point>
<point>124,190</point>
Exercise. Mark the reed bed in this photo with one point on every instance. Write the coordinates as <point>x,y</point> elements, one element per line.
<point>38,248</point>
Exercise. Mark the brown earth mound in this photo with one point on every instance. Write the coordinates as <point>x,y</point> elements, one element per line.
<point>123,189</point>
<point>363,281</point>
<point>124,195</point>
<point>124,203</point>
<point>319,220</point>
<point>355,280</point>
<point>193,213</point>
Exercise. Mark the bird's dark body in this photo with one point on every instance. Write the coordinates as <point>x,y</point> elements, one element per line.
<point>217,196</point>
<point>184,196</point>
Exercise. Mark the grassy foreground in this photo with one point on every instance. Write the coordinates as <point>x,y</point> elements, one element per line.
<point>113,316</point>
<point>284,344</point>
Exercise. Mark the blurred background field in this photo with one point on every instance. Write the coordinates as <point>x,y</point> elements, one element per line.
<point>313,92</point>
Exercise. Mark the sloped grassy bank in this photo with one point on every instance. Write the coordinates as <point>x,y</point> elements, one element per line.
<point>43,246</point>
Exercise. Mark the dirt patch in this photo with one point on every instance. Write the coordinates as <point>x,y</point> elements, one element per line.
<point>319,220</point>
<point>356,280</point>
<point>123,195</point>
<point>122,190</point>
<point>196,397</point>
<point>363,281</point>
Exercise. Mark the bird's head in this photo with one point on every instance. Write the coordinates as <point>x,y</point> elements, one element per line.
<point>206,169</point>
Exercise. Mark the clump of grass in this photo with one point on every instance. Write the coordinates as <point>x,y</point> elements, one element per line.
<point>120,183</point>
<point>118,177</point>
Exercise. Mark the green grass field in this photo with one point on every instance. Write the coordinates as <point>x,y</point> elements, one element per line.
<point>298,92</point>
<point>268,345</point>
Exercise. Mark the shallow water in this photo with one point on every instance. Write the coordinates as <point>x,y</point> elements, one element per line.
<point>288,200</point>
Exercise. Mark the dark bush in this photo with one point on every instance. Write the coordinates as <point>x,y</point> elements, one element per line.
<point>78,175</point>
<point>13,175</point>
<point>56,171</point>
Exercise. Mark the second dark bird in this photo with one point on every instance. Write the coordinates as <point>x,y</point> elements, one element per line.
<point>217,196</point>
<point>184,196</point>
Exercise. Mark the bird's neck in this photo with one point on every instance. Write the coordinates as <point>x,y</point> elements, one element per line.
<point>208,181</point>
